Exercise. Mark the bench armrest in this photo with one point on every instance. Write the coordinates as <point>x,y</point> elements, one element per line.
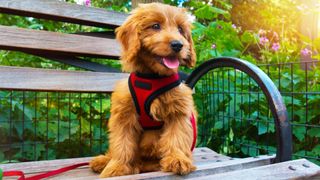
<point>275,101</point>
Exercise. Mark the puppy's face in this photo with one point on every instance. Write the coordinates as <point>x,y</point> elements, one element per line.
<point>156,38</point>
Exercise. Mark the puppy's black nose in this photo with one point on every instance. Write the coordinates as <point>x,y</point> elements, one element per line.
<point>176,46</point>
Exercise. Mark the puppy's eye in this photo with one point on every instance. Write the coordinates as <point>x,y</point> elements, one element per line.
<point>180,29</point>
<point>156,26</point>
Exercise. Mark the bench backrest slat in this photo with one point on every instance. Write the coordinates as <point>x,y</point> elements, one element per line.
<point>17,78</point>
<point>35,41</point>
<point>60,47</point>
<point>62,11</point>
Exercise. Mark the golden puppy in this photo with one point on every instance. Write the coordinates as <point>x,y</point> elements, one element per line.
<point>155,39</point>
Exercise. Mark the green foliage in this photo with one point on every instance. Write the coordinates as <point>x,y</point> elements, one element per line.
<point>48,123</point>
<point>267,14</point>
<point>209,12</point>
<point>235,119</point>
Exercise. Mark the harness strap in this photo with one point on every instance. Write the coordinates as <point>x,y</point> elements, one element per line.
<point>194,127</point>
<point>21,174</point>
<point>144,89</point>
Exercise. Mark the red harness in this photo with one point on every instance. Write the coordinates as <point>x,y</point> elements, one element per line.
<point>144,88</point>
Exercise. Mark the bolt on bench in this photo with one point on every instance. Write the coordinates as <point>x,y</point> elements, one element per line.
<point>71,48</point>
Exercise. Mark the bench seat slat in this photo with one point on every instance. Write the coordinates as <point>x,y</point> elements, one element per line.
<point>37,41</point>
<point>200,155</point>
<point>17,78</point>
<point>295,169</point>
<point>62,11</point>
<point>218,164</point>
<point>213,167</point>
<point>48,165</point>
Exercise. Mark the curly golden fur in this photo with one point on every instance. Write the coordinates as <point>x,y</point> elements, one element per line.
<point>133,150</point>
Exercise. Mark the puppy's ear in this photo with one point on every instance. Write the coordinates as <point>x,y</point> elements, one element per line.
<point>191,61</point>
<point>128,36</point>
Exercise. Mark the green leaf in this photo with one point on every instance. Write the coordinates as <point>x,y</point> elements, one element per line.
<point>218,125</point>
<point>299,132</point>
<point>231,53</point>
<point>217,10</point>
<point>301,153</point>
<point>292,101</point>
<point>231,134</point>
<point>1,156</point>
<point>198,29</point>
<point>247,37</point>
<point>262,129</point>
<point>214,53</point>
<point>314,132</point>
<point>249,151</point>
<point>316,150</point>
<point>209,12</point>
<point>205,13</point>
<point>36,26</point>
<point>85,126</point>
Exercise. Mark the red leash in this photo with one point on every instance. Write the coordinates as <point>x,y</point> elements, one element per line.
<point>21,174</point>
<point>14,173</point>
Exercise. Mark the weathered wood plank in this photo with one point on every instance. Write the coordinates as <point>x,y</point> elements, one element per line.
<point>203,150</point>
<point>40,166</point>
<point>17,78</point>
<point>285,170</point>
<point>214,168</point>
<point>200,155</point>
<point>204,155</point>
<point>35,41</point>
<point>246,168</point>
<point>62,11</point>
<point>85,173</point>
<point>204,170</point>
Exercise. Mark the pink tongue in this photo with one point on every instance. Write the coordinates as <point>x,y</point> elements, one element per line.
<point>171,62</point>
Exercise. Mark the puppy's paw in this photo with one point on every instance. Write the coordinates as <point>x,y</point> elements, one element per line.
<point>181,166</point>
<point>117,169</point>
<point>97,164</point>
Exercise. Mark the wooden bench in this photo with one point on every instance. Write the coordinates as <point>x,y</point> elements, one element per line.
<point>210,165</point>
<point>70,48</point>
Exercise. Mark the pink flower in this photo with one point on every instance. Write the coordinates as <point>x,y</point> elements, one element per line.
<point>306,52</point>
<point>275,35</point>
<point>263,41</point>
<point>275,46</point>
<point>213,46</point>
<point>84,2</point>
<point>87,2</point>
<point>234,26</point>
